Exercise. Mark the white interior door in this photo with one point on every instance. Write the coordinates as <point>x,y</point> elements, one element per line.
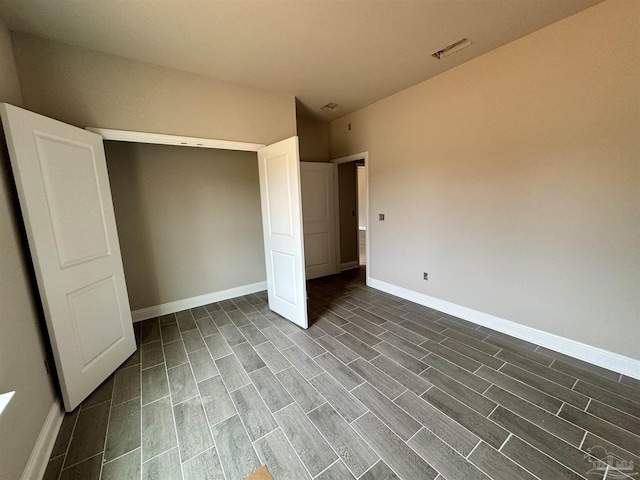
<point>61,177</point>
<point>318,217</point>
<point>279,170</point>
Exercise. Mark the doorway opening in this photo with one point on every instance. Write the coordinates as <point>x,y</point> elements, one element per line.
<point>361,179</point>
<point>352,238</point>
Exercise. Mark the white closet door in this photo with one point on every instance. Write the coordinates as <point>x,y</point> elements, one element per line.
<point>279,170</point>
<point>318,216</point>
<point>61,177</point>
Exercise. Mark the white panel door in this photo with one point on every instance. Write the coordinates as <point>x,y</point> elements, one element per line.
<point>279,170</point>
<point>61,177</point>
<point>318,217</point>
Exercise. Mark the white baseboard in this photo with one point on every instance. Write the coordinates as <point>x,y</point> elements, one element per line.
<point>39,458</point>
<point>597,356</point>
<point>200,300</point>
<point>349,265</point>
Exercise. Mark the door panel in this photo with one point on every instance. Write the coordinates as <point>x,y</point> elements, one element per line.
<point>318,215</point>
<point>316,249</point>
<point>93,310</point>
<point>69,166</point>
<point>63,186</point>
<point>279,170</point>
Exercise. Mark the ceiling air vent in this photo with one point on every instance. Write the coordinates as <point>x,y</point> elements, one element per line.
<point>451,49</point>
<point>331,107</point>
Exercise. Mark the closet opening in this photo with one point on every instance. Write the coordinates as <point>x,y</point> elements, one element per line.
<point>189,223</point>
<point>219,223</point>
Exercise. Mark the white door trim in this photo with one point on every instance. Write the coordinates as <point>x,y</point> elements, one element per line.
<point>352,158</point>
<point>180,141</point>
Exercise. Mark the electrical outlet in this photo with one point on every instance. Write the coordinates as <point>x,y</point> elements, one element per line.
<point>425,275</point>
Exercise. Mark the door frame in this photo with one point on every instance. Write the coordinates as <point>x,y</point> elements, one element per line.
<point>337,161</point>
<point>194,142</point>
<point>180,141</point>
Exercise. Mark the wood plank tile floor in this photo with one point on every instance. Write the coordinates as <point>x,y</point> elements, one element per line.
<point>377,388</point>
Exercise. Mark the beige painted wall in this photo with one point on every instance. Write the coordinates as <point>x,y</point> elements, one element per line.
<point>514,179</point>
<point>189,220</point>
<point>86,88</point>
<point>22,350</point>
<point>313,139</point>
<point>347,197</point>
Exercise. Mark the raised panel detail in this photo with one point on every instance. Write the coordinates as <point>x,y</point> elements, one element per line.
<point>316,249</point>
<point>72,192</point>
<point>93,310</point>
<point>278,187</point>
<point>314,187</point>
<point>283,265</point>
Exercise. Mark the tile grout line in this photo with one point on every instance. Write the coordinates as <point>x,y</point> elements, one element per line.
<point>224,383</point>
<point>607,422</point>
<point>371,467</point>
<point>140,377</point>
<point>584,437</point>
<point>352,429</point>
<point>421,425</point>
<point>320,473</point>
<point>285,435</point>
<point>106,434</point>
<point>403,392</point>
<point>477,445</point>
<point>505,441</point>
<point>574,384</point>
<point>553,458</point>
<point>66,451</point>
<point>81,461</point>
<point>123,455</point>
<point>548,394</point>
<point>141,406</point>
<point>416,433</point>
<point>551,434</point>
<point>543,409</point>
<point>155,456</point>
<point>491,384</point>
<point>509,460</point>
<point>173,415</point>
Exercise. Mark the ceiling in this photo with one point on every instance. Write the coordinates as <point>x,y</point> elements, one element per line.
<point>350,52</point>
